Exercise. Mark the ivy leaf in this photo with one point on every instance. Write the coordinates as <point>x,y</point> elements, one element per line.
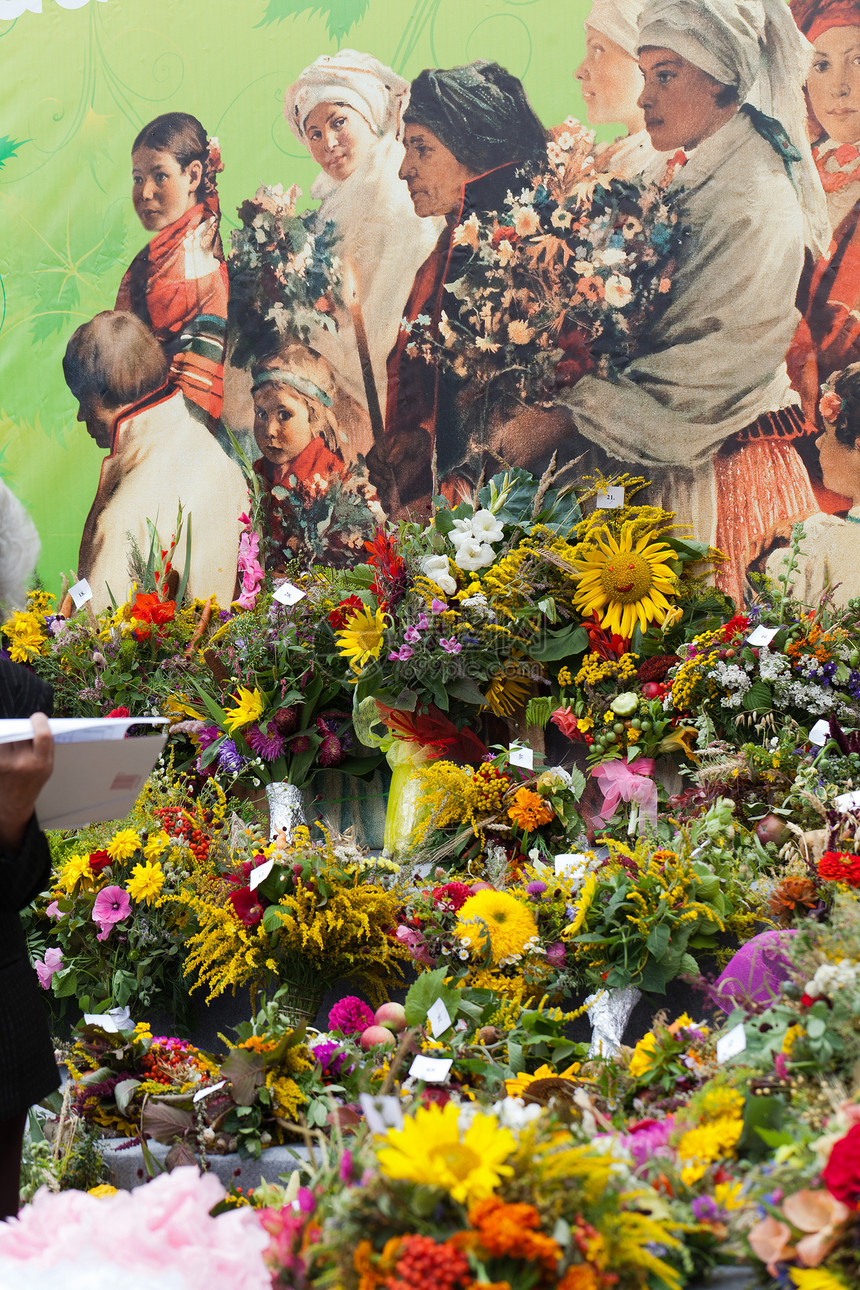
<point>340,14</point>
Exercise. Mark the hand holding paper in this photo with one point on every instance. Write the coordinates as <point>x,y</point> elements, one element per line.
<point>25,767</point>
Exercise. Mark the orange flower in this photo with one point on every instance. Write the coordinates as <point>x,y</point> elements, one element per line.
<point>529,810</point>
<point>580,1276</point>
<point>258,1045</point>
<point>513,1230</point>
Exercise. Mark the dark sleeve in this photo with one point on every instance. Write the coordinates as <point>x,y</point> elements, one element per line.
<point>24,875</point>
<point>22,692</point>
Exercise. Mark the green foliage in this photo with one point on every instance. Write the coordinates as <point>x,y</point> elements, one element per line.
<point>340,15</point>
<point>9,148</point>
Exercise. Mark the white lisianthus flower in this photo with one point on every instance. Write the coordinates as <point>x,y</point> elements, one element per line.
<point>438,570</point>
<point>486,528</point>
<point>460,533</point>
<point>473,554</point>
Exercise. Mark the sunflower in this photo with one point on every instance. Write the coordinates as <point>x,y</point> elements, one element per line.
<point>506,693</point>
<point>249,706</point>
<point>815,1279</point>
<point>517,1086</point>
<point>586,899</point>
<point>429,1150</point>
<point>509,924</point>
<point>361,638</point>
<point>624,581</point>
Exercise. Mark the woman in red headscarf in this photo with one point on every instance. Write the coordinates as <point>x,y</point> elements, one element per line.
<point>829,335</point>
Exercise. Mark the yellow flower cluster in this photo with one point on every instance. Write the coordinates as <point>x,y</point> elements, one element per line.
<point>595,669</point>
<point>710,1141</point>
<point>26,633</point>
<point>287,1097</point>
<point>498,923</point>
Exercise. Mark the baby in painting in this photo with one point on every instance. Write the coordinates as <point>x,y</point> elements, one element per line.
<point>317,507</point>
<point>830,554</point>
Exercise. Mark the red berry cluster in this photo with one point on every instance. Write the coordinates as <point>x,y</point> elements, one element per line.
<point>179,824</point>
<point>423,1263</point>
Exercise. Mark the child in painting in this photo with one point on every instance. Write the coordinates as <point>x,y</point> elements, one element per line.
<point>177,284</point>
<point>317,508</point>
<point>830,552</point>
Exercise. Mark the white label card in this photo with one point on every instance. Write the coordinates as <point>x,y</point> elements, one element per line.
<point>432,1070</point>
<point>847,801</point>
<point>289,594</point>
<point>102,1019</point>
<point>520,756</point>
<point>762,636</point>
<point>381,1113</point>
<point>81,592</point>
<point>260,874</point>
<point>205,1092</point>
<point>439,1018</point>
<point>611,499</point>
<point>732,1043</point>
<point>569,861</point>
<point>820,733</point>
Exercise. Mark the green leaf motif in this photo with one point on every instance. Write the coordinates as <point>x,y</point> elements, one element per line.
<point>9,148</point>
<point>341,15</point>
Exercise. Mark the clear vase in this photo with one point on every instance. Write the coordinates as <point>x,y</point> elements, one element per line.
<point>286,810</point>
<point>609,1012</point>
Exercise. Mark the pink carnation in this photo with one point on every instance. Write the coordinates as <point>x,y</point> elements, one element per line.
<point>350,1016</point>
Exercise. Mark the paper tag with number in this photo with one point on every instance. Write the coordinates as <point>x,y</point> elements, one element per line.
<point>762,636</point>
<point>820,733</point>
<point>260,874</point>
<point>432,1070</point>
<point>520,756</point>
<point>610,499</point>
<point>289,594</point>
<point>439,1018</point>
<point>381,1113</point>
<point>732,1043</point>
<point>205,1092</point>
<point>81,592</point>
<point>847,801</point>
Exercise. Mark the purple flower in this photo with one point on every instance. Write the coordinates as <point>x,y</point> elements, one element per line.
<point>707,1210</point>
<point>229,758</point>
<point>536,888</point>
<point>422,623</point>
<point>53,910</point>
<point>412,635</point>
<point>346,1168</point>
<point>450,645</point>
<point>111,906</point>
<point>46,968</point>
<point>556,954</point>
<point>402,654</point>
<point>331,1057</point>
<point>650,1138</point>
<point>350,1016</point>
<point>207,736</point>
<point>438,606</point>
<point>268,743</point>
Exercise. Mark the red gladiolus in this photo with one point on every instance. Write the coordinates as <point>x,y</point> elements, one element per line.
<point>149,611</point>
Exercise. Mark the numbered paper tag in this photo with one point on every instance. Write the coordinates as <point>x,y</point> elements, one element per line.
<point>610,499</point>
<point>520,756</point>
<point>289,594</point>
<point>102,1019</point>
<point>847,801</point>
<point>80,593</point>
<point>439,1018</point>
<point>260,874</point>
<point>569,862</point>
<point>732,1043</point>
<point>381,1113</point>
<point>205,1092</point>
<point>820,733</point>
<point>762,636</point>
<point>432,1070</point>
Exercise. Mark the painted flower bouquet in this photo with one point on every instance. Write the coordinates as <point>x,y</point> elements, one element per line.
<point>285,275</point>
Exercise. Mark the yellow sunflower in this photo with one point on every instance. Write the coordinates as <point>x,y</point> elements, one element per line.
<point>815,1279</point>
<point>510,924</point>
<point>586,899</point>
<point>249,706</point>
<point>517,1086</point>
<point>625,581</point>
<point>507,693</point>
<point>430,1150</point>
<point>361,638</point>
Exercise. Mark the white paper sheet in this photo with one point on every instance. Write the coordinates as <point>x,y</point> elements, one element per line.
<point>70,730</point>
<point>96,780</point>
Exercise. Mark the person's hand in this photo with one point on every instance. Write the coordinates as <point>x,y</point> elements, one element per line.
<point>25,767</point>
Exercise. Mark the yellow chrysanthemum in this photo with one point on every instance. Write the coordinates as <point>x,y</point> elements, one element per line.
<point>430,1150</point>
<point>586,899</point>
<point>249,706</point>
<point>643,1055</point>
<point>361,638</point>
<point>76,869</point>
<point>123,845</point>
<point>509,923</point>
<point>816,1279</point>
<point>728,1195</point>
<point>26,634</point>
<point>156,845</point>
<point>146,881</point>
<point>624,581</point>
<point>517,1086</point>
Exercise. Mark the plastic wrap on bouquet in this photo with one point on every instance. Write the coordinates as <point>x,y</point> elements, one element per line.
<point>609,1012</point>
<point>404,797</point>
<point>286,809</point>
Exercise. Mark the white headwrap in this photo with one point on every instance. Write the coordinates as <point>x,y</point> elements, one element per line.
<point>617,19</point>
<point>755,46</point>
<point>358,80</point>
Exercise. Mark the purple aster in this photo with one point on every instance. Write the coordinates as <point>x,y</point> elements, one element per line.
<point>707,1210</point>
<point>229,758</point>
<point>268,743</point>
<point>207,736</point>
<point>350,1016</point>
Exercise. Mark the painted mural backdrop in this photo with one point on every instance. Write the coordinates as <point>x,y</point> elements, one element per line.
<point>368,250</point>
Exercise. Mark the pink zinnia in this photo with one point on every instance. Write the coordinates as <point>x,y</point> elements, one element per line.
<point>350,1016</point>
<point>111,906</point>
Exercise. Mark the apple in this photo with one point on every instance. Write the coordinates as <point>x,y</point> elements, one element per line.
<point>482,886</point>
<point>376,1037</point>
<point>772,829</point>
<point>392,1016</point>
<point>652,690</point>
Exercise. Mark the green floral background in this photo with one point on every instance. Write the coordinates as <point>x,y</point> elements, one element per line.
<point>80,79</point>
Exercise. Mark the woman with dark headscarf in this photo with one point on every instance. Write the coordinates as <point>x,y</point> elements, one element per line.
<point>467,132</point>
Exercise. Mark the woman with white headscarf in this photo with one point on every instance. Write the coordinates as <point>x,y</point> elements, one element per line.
<point>707,411</point>
<point>611,83</point>
<point>347,109</point>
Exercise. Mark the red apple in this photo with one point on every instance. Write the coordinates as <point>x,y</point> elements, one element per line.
<point>376,1036</point>
<point>652,690</point>
<point>482,886</point>
<point>392,1016</point>
<point>772,829</point>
